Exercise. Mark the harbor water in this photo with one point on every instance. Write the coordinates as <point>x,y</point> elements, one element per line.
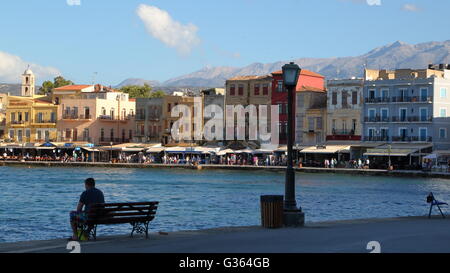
<point>35,202</point>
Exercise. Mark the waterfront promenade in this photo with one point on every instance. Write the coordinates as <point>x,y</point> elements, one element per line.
<point>400,173</point>
<point>409,234</point>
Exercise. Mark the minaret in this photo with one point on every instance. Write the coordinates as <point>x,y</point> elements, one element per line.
<point>28,83</point>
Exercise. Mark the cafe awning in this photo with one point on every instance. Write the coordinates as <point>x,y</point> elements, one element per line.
<point>396,150</point>
<point>226,151</point>
<point>328,149</point>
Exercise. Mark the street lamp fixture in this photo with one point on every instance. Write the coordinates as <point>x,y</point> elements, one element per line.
<point>293,215</point>
<point>110,152</point>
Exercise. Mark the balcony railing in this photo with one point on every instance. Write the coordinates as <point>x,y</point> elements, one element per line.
<point>16,122</point>
<point>399,99</point>
<point>377,119</point>
<point>411,139</point>
<point>412,119</point>
<point>376,138</point>
<point>77,117</point>
<point>113,140</point>
<point>45,121</point>
<point>110,118</point>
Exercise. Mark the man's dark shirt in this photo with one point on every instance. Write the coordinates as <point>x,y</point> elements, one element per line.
<point>92,196</point>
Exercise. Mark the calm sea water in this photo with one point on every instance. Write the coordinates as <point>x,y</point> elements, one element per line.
<point>35,202</point>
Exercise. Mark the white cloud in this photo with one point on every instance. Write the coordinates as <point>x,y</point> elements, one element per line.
<point>11,67</point>
<point>410,7</point>
<point>161,26</point>
<point>368,2</point>
<point>374,2</point>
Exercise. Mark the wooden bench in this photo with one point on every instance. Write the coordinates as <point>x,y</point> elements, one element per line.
<point>139,215</point>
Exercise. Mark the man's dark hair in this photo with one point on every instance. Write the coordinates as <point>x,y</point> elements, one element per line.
<point>90,182</point>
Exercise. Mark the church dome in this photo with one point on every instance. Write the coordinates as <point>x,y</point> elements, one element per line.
<point>28,72</point>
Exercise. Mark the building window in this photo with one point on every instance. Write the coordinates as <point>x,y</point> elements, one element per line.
<point>372,94</point>
<point>103,111</point>
<point>111,134</point>
<point>443,92</point>
<point>75,135</point>
<point>354,98</point>
<point>442,133</point>
<point>68,134</point>
<point>130,134</point>
<point>311,124</point>
<point>169,107</point>
<point>265,89</point>
<point>280,86</point>
<point>11,134</point>
<point>344,98</point>
<point>241,90</point>
<point>334,98</point>
<point>232,90</point>
<point>256,89</point>
<point>319,123</point>
<point>443,112</point>
<point>423,134</point>
<point>13,117</point>
<point>102,135</point>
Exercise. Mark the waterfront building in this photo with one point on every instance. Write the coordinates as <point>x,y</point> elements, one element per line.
<point>280,96</point>
<point>249,90</point>
<point>30,117</point>
<point>407,108</point>
<point>95,114</point>
<point>344,104</point>
<point>168,121</point>
<point>213,96</point>
<point>3,104</point>
<point>148,120</point>
<point>311,115</point>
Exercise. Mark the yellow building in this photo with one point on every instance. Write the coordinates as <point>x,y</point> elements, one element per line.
<point>30,119</point>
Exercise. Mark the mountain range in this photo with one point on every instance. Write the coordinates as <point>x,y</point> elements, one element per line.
<point>392,56</point>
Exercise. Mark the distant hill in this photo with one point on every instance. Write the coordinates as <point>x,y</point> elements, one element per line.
<point>13,89</point>
<point>139,82</point>
<point>392,56</point>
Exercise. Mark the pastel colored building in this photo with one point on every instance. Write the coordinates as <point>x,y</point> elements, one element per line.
<point>408,109</point>
<point>149,120</point>
<point>95,114</point>
<point>30,118</point>
<point>249,90</point>
<point>3,104</point>
<point>345,102</point>
<point>169,102</point>
<point>307,79</point>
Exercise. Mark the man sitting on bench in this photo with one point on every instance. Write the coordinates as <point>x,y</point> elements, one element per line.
<point>90,196</point>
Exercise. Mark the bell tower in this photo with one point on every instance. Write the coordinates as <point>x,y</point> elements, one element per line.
<point>28,83</point>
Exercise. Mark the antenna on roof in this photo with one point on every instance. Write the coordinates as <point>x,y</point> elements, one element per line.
<point>94,77</point>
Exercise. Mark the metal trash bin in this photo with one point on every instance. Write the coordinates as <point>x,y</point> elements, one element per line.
<point>272,211</point>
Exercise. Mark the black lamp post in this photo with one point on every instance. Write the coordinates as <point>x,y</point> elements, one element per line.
<point>293,216</point>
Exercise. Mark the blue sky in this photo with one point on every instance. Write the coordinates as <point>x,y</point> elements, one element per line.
<point>123,39</point>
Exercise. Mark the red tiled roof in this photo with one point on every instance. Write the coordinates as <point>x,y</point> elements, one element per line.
<point>304,88</point>
<point>305,72</point>
<point>246,78</point>
<point>72,87</point>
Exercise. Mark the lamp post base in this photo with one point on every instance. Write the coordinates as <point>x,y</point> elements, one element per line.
<point>293,218</point>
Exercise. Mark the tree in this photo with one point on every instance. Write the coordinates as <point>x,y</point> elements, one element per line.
<point>48,86</point>
<point>137,91</point>
<point>157,94</point>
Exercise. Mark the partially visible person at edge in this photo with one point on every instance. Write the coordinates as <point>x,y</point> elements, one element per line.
<point>90,196</point>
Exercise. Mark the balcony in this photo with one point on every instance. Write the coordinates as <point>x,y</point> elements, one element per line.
<point>107,141</point>
<point>76,117</point>
<point>110,118</point>
<point>40,122</point>
<point>341,134</point>
<point>377,138</point>
<point>405,99</point>
<point>412,119</point>
<point>378,100</point>
<point>377,119</point>
<point>411,139</point>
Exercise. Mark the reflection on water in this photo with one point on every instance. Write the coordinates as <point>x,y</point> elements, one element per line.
<point>35,202</point>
